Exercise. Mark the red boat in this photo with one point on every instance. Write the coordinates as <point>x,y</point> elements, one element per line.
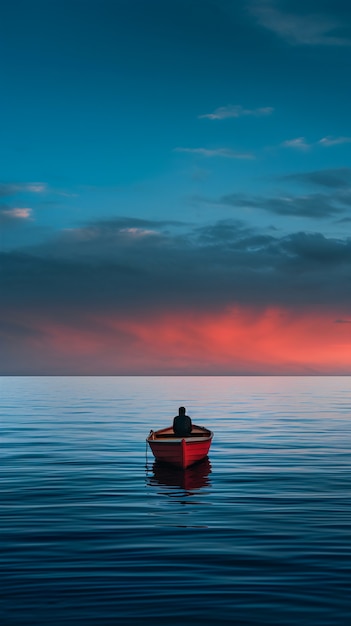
<point>180,451</point>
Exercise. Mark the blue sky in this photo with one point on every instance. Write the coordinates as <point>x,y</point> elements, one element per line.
<point>173,117</point>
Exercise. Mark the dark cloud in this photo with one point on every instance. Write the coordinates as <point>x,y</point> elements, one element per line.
<point>338,178</point>
<point>129,222</point>
<point>108,240</point>
<point>223,231</point>
<point>315,248</point>
<point>134,270</point>
<point>315,206</point>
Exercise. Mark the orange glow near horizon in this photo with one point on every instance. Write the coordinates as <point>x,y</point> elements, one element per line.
<point>237,341</point>
<point>249,341</point>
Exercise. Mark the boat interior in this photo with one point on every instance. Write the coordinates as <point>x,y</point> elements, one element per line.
<point>168,433</point>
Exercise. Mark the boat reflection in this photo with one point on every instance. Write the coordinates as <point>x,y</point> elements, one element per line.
<point>193,478</point>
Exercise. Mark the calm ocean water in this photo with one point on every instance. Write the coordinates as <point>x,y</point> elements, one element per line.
<point>93,532</point>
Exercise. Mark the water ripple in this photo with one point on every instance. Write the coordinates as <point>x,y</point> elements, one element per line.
<point>93,531</point>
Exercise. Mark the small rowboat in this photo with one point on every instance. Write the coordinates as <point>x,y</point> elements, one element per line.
<point>180,451</point>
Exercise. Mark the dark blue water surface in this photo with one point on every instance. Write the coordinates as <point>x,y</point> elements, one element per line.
<point>94,532</point>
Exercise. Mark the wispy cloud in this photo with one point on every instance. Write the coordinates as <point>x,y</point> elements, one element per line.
<point>226,153</point>
<point>29,192</point>
<point>15,214</point>
<point>313,29</point>
<point>11,189</point>
<point>333,141</point>
<point>110,231</point>
<point>235,110</point>
<point>139,232</point>
<point>122,230</point>
<point>300,143</point>
<point>35,187</point>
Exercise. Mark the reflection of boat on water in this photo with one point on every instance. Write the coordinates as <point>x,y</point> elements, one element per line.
<point>194,477</point>
<point>180,451</point>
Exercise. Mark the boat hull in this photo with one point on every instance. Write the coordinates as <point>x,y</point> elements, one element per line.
<point>180,452</point>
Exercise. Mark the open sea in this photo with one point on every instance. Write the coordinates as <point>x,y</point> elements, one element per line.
<point>93,532</point>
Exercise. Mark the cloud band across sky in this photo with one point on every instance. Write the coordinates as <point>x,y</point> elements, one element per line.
<point>132,296</point>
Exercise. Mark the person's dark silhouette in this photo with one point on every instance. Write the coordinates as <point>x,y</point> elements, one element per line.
<point>182,423</point>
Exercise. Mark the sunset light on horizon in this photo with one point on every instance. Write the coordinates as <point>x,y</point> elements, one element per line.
<point>235,342</point>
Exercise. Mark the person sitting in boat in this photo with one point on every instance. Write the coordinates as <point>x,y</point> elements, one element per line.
<point>182,423</point>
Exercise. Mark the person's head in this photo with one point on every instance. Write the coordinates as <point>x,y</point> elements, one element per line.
<point>182,410</point>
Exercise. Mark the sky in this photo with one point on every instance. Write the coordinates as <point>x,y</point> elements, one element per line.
<point>175,187</point>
